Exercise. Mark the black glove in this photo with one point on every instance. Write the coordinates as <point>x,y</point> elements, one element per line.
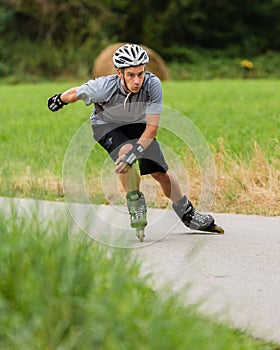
<point>133,155</point>
<point>55,103</point>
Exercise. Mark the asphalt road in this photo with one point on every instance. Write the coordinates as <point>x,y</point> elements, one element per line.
<point>235,277</point>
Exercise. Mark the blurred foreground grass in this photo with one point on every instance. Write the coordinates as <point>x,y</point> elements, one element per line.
<point>67,292</point>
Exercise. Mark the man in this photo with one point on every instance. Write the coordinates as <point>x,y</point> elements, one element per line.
<point>125,119</point>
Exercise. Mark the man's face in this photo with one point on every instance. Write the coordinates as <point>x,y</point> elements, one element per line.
<point>133,78</point>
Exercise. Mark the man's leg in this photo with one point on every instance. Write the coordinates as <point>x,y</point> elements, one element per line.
<point>181,204</point>
<point>131,180</point>
<point>170,185</point>
<point>135,199</point>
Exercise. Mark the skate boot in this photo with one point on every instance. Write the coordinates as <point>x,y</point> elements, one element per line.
<point>193,219</point>
<point>138,212</point>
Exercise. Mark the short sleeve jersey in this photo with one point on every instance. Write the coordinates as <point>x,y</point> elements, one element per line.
<point>113,105</point>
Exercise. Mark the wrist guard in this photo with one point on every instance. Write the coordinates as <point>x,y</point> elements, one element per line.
<point>133,155</point>
<point>55,103</point>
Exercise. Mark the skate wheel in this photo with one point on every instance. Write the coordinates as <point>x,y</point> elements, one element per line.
<point>218,229</point>
<point>140,234</point>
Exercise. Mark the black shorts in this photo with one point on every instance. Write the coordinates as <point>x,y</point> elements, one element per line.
<point>152,160</point>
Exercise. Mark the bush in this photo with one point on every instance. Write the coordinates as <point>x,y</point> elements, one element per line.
<point>25,61</point>
<point>200,64</point>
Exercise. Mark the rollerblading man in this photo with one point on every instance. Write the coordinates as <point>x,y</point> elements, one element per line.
<point>125,120</point>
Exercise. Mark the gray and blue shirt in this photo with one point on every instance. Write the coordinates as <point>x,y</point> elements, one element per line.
<point>113,105</point>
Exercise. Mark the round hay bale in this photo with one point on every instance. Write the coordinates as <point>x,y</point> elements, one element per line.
<point>103,64</point>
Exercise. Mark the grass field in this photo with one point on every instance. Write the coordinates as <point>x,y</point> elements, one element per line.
<point>62,292</point>
<point>240,112</point>
<point>238,118</point>
<point>67,292</point>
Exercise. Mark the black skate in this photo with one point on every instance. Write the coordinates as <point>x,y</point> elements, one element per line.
<point>195,220</point>
<point>138,212</point>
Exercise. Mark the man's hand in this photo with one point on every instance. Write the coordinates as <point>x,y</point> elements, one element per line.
<point>125,162</point>
<point>55,103</point>
<point>121,168</point>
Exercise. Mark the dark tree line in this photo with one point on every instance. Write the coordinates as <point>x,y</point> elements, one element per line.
<point>48,35</point>
<point>248,24</point>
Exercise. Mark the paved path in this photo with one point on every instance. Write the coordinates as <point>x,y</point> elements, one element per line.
<point>236,277</point>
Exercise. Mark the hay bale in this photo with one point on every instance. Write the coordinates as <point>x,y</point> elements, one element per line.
<point>103,64</point>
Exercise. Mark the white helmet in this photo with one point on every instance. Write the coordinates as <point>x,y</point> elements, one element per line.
<point>130,55</point>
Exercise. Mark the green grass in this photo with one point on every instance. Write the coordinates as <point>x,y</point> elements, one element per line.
<point>237,111</point>
<point>34,140</point>
<point>30,134</point>
<point>67,292</point>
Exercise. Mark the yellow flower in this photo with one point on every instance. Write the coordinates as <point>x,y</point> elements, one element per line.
<point>246,64</point>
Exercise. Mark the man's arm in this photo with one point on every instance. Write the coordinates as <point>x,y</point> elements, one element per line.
<point>69,96</point>
<point>152,122</point>
<point>58,101</point>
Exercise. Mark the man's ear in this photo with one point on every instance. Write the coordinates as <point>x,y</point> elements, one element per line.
<point>119,72</point>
